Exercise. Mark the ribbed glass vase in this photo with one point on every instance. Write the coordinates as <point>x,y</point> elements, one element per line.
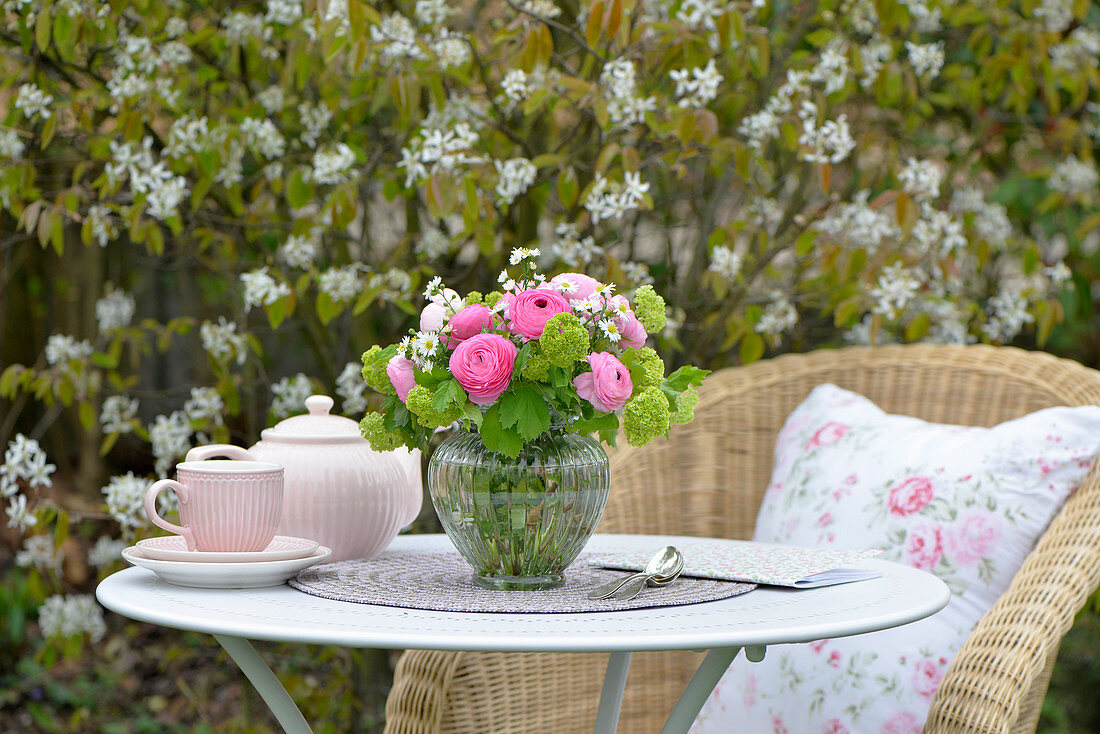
<point>519,522</point>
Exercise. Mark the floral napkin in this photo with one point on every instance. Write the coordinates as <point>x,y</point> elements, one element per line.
<point>760,563</point>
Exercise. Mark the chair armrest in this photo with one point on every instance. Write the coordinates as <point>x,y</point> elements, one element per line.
<point>418,699</point>
<point>997,681</point>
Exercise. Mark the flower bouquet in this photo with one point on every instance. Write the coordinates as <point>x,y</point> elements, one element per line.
<point>528,374</point>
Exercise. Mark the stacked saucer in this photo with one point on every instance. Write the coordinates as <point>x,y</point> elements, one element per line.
<point>283,559</point>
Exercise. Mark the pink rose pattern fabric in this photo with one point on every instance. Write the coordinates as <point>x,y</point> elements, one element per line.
<point>963,503</point>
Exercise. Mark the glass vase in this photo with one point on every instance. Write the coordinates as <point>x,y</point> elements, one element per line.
<point>519,522</point>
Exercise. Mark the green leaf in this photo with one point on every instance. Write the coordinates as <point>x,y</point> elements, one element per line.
<point>752,348</point>
<point>602,422</point>
<point>87,415</point>
<point>327,309</point>
<point>525,409</point>
<point>278,311</point>
<point>448,393</point>
<point>299,192</point>
<point>108,443</point>
<point>687,375</point>
<point>496,438</point>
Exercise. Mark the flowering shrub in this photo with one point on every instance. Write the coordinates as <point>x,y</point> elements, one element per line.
<point>208,211</point>
<point>505,364</point>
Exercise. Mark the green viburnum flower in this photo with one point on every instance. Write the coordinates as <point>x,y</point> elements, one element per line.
<point>685,406</point>
<point>492,298</point>
<point>646,416</point>
<point>649,307</point>
<point>419,402</point>
<point>537,368</point>
<point>473,298</point>
<point>374,371</point>
<point>564,340</point>
<point>372,430</point>
<point>653,367</point>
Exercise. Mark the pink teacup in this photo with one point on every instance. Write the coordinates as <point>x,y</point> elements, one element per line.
<point>225,506</point>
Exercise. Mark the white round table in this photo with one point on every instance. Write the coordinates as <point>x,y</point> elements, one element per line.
<point>765,616</point>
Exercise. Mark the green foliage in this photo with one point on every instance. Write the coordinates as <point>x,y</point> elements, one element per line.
<point>564,340</point>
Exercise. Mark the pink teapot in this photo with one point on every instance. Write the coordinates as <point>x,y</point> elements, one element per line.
<point>338,490</point>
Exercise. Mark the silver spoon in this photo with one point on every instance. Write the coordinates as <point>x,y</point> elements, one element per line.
<point>633,588</point>
<point>661,564</point>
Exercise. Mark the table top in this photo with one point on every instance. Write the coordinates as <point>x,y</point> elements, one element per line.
<point>765,616</point>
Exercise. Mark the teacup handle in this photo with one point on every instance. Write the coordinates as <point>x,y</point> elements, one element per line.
<point>151,509</point>
<point>202,453</point>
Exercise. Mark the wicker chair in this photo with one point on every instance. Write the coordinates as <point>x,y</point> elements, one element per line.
<point>708,480</point>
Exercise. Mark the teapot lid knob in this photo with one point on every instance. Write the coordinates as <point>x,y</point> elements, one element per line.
<point>319,404</point>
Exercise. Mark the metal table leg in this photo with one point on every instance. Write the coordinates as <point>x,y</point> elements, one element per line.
<point>698,688</point>
<point>266,684</point>
<point>611,697</point>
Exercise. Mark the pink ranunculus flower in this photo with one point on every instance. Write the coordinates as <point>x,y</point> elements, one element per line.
<point>905,722</point>
<point>483,366</point>
<point>924,546</point>
<point>466,323</point>
<point>910,496</point>
<point>608,385</point>
<point>632,332</point>
<point>402,375</point>
<point>926,678</point>
<point>531,309</point>
<point>827,435</point>
<point>575,286</point>
<point>972,538</point>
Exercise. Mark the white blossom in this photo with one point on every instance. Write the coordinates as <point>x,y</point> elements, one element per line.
<point>1080,51</point>
<point>541,8</point>
<point>779,315</point>
<point>927,58</point>
<point>72,614</point>
<point>1056,15</point>
<point>272,99</point>
<point>170,436</point>
<point>33,101</point>
<point>875,54</point>
<point>114,311</point>
<point>24,459</point>
<point>921,179</point>
<point>991,221</point>
<point>857,224</point>
<point>519,254</point>
<point>351,389</point>
<point>175,27</point>
<point>125,499</point>
<point>451,50</point>
<point>188,134</point>
<point>262,135</point>
<point>515,85</point>
<point>1058,273</point>
<point>432,245</point>
<point>572,249</point>
<point>608,200</point>
<point>231,172</point>
<point>260,289</point>
<point>759,128</point>
<point>625,106</point>
<point>1007,313</point>
<point>341,284</point>
<point>11,146</point>
<point>222,341</point>
<point>290,395</point>
<point>106,551</point>
<point>829,142</point>
<point>832,68</point>
<point>1073,176</point>
<point>205,404</point>
<point>948,322</point>
<point>431,12</point>
<point>175,53</point>
<point>118,414</point>
<point>18,515</point>
<point>299,250</point>
<point>41,552</point>
<point>700,14</point>
<point>315,118</point>
<point>332,164</point>
<point>938,233</point>
<point>515,176</point>
<point>62,348</point>
<point>928,19</point>
<point>438,149</point>
<point>697,86</point>
<point>896,286</point>
<point>396,39</point>
<point>103,229</point>
<point>163,202</point>
<point>726,262</point>
<point>425,345</point>
<point>636,273</point>
<point>240,27</point>
<point>283,12</point>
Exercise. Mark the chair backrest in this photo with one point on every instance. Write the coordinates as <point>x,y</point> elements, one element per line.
<point>708,479</point>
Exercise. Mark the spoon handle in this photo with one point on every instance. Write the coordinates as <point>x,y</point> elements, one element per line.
<point>603,592</point>
<point>631,589</point>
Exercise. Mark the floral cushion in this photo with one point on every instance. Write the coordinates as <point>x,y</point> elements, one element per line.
<point>964,503</point>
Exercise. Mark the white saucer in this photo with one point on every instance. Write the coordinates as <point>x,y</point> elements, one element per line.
<point>226,575</point>
<point>174,548</point>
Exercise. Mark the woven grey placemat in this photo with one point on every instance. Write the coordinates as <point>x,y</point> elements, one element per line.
<point>444,582</point>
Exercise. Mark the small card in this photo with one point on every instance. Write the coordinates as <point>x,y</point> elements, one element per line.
<point>760,563</point>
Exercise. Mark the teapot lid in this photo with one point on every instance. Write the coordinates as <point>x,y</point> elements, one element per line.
<point>316,426</point>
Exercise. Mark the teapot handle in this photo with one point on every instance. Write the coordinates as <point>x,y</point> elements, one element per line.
<point>202,453</point>
<point>415,488</point>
